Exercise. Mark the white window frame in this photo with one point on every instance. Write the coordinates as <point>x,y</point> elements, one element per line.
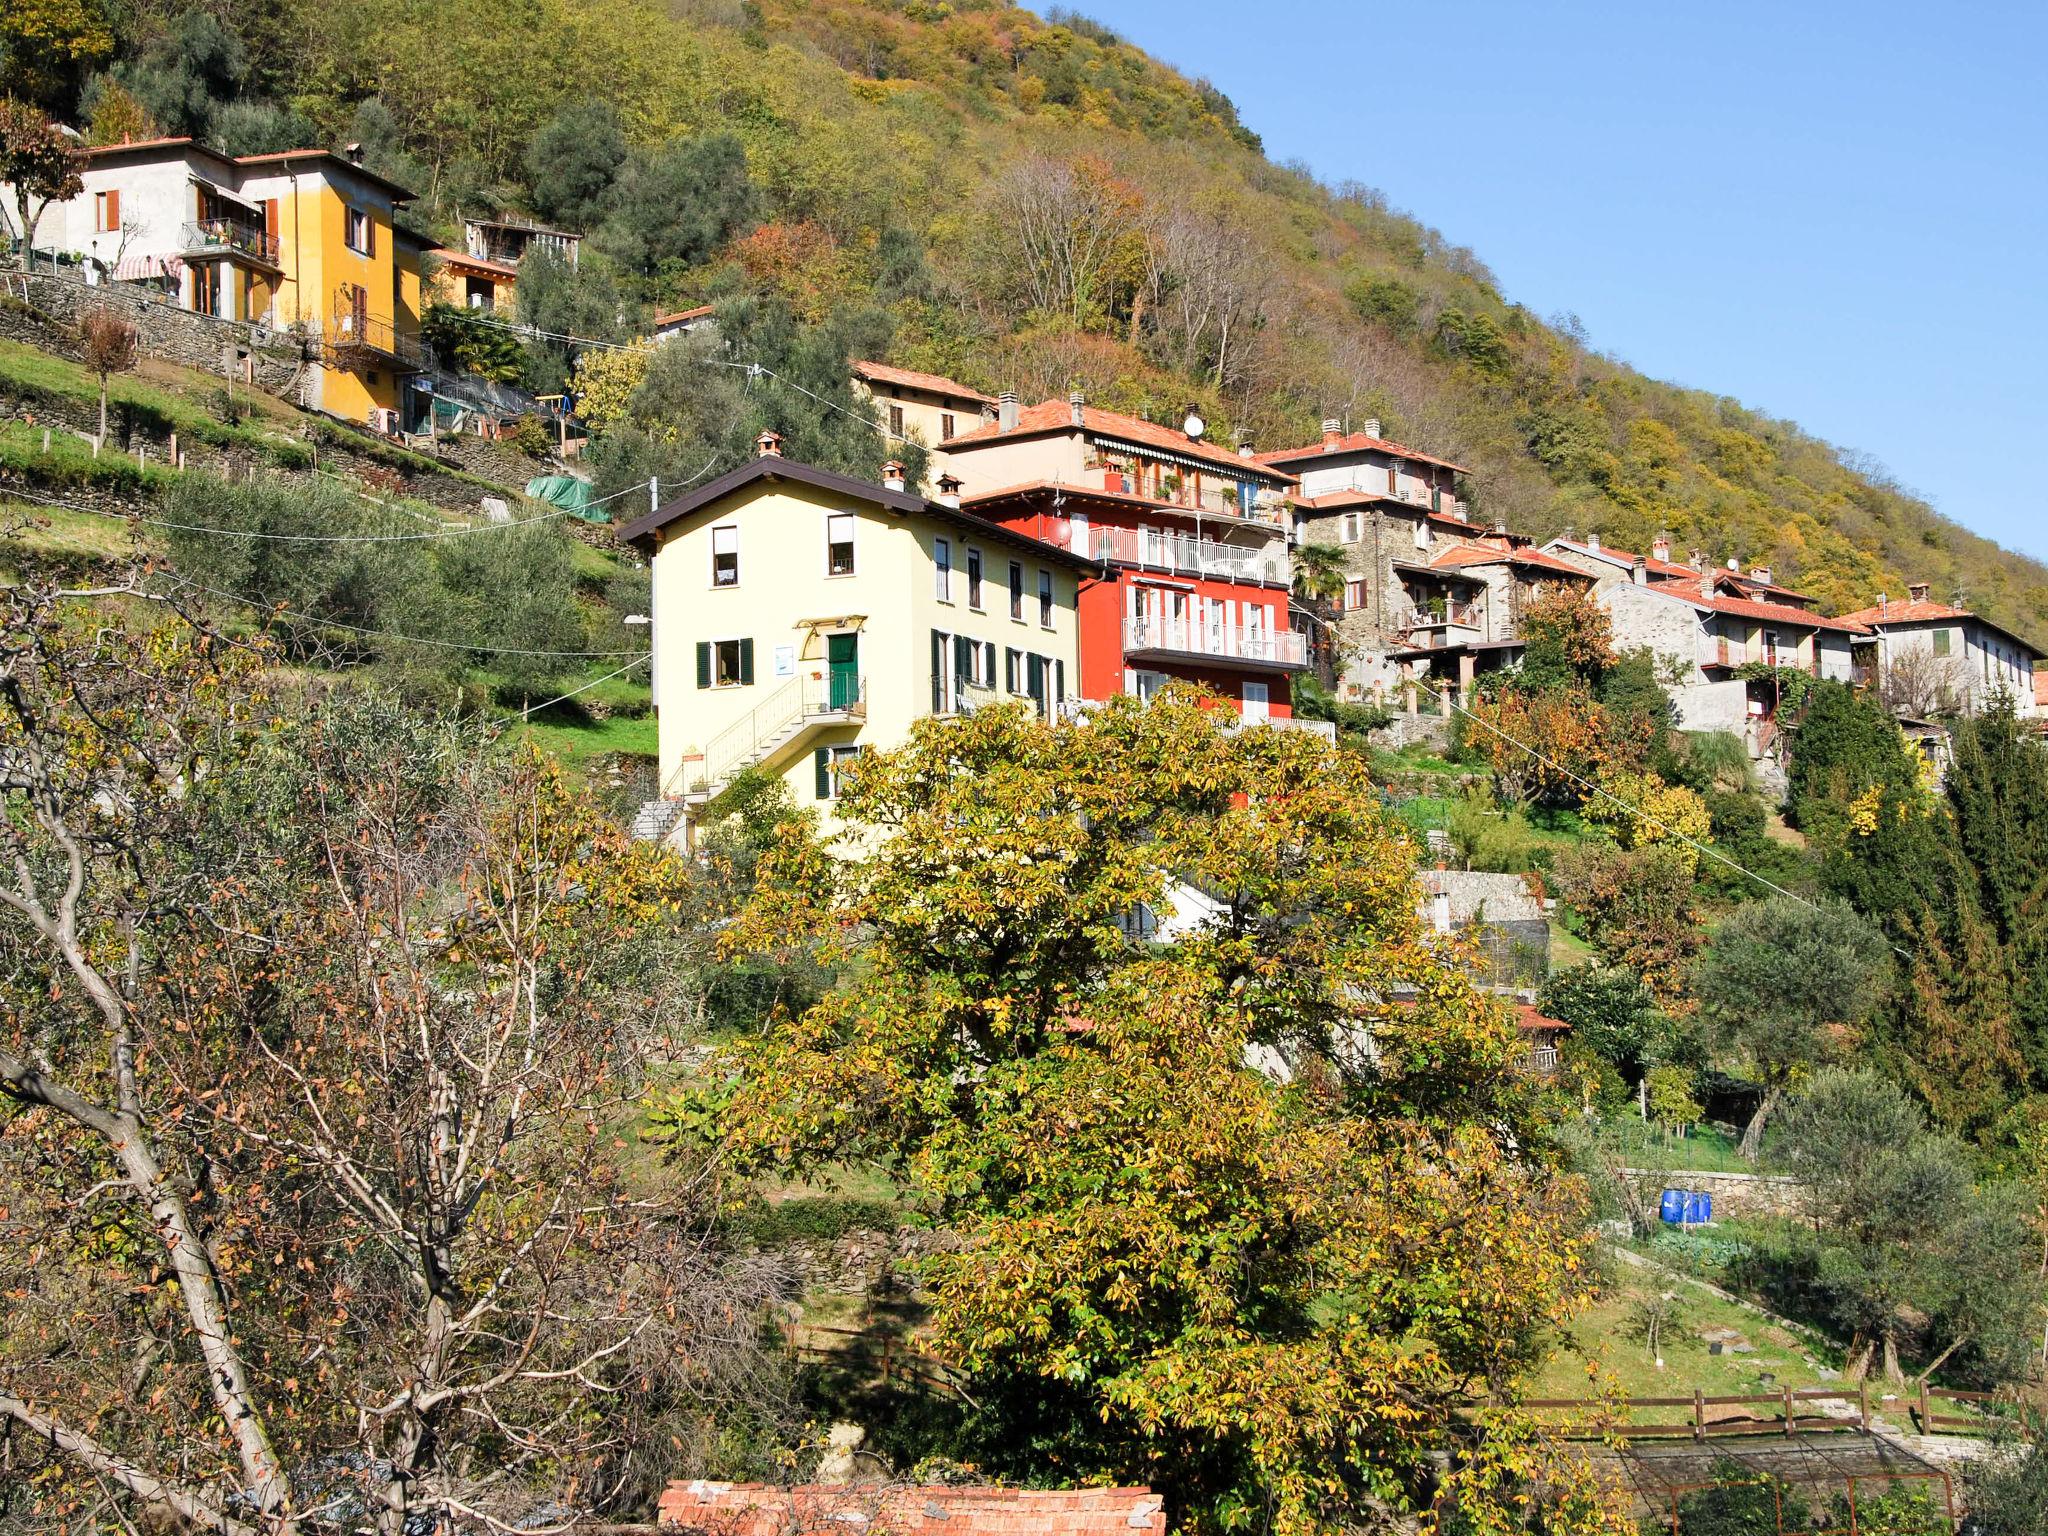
<point>737,642</point>
<point>831,543</point>
<point>1045,598</point>
<point>834,756</point>
<point>1017,590</point>
<point>942,569</point>
<point>354,218</point>
<point>974,592</point>
<point>716,552</point>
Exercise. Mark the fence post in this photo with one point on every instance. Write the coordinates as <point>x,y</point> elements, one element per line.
<point>1863,1405</point>
<point>1926,1417</point>
<point>1699,1414</point>
<point>1789,1421</point>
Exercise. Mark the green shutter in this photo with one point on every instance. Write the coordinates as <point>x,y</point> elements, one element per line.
<point>988,663</point>
<point>963,658</point>
<point>938,670</point>
<point>1059,682</point>
<point>1010,671</point>
<point>746,661</point>
<point>823,761</point>
<point>703,663</point>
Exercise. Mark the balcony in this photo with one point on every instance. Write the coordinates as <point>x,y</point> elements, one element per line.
<point>355,339</point>
<point>1719,651</point>
<point>1285,651</point>
<point>228,237</point>
<point>1215,496</point>
<point>1185,555</point>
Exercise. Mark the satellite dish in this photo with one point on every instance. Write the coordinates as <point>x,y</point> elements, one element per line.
<point>1194,426</point>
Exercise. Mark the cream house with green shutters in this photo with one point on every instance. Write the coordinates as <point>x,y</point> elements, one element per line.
<point>800,617</point>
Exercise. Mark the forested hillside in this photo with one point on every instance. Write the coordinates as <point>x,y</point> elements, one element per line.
<point>1017,201</point>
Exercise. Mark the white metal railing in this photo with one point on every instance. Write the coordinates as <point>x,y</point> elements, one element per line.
<point>1190,638</point>
<point>809,697</point>
<point>1187,555</point>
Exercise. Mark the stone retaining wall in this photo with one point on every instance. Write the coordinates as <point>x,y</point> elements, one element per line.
<point>1735,1194</point>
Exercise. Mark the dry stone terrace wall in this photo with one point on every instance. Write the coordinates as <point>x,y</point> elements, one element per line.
<point>277,365</point>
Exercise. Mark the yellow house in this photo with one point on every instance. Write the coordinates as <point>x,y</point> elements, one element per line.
<point>925,408</point>
<point>303,239</point>
<point>801,616</point>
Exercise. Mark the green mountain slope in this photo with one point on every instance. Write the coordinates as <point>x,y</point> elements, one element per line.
<point>1039,205</point>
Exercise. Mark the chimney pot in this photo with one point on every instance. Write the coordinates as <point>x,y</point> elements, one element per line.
<point>1883,605</point>
<point>949,490</point>
<point>1006,411</point>
<point>1077,404</point>
<point>769,445</point>
<point>1372,427</point>
<point>1660,547</point>
<point>892,474</point>
<point>1762,573</point>
<point>1333,434</point>
<point>1639,573</point>
<point>1593,542</point>
<point>1917,590</point>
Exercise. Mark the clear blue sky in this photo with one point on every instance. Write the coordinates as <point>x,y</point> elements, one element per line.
<point>1834,212</point>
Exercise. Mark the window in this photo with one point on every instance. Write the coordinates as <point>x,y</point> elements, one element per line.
<point>725,663</point>
<point>839,544</point>
<point>359,232</point>
<point>725,556</point>
<point>1354,527</point>
<point>945,425</point>
<point>832,763</point>
<point>1257,701</point>
<point>895,421</point>
<point>1016,591</point>
<point>1393,479</point>
<point>974,578</point>
<point>1045,598</point>
<point>1354,596</point>
<point>106,212</point>
<point>1941,642</point>
<point>942,569</point>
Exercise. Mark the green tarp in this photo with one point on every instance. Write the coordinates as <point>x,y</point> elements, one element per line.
<point>568,492</point>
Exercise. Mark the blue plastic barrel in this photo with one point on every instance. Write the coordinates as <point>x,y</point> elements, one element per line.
<point>1699,1208</point>
<point>1672,1208</point>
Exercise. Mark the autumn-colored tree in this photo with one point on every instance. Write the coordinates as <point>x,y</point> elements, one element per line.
<point>604,381</point>
<point>1075,238</point>
<point>1637,908</point>
<point>1225,1215</point>
<point>319,1032</point>
<point>1641,809</point>
<point>107,338</point>
<point>1567,636</point>
<point>1546,746</point>
<point>46,47</point>
<point>37,162</point>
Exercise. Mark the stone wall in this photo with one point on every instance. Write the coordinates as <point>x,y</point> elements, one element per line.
<point>1735,1194</point>
<point>1407,730</point>
<point>278,364</point>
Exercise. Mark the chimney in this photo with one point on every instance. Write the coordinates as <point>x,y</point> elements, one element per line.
<point>1697,561</point>
<point>353,153</point>
<point>1077,404</point>
<point>1883,605</point>
<point>769,444</point>
<point>1006,411</point>
<point>1244,449</point>
<point>1500,526</point>
<point>1660,548</point>
<point>1333,434</point>
<point>1917,590</point>
<point>1593,542</point>
<point>892,475</point>
<point>1440,911</point>
<point>1639,573</point>
<point>1762,573</point>
<point>949,490</point>
<point>1372,426</point>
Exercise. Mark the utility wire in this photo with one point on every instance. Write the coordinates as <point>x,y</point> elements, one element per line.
<point>1705,849</point>
<point>586,687</point>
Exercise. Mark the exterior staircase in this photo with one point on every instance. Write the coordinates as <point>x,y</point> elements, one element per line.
<point>766,734</point>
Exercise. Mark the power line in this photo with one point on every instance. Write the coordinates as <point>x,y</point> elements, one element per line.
<point>586,687</point>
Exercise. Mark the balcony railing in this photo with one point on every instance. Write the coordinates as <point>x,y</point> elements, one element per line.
<point>1215,496</point>
<point>1456,615</point>
<point>206,236</point>
<point>1186,555</point>
<point>1719,651</point>
<point>353,335</point>
<point>1218,641</point>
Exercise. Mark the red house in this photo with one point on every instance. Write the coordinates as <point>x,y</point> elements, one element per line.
<point>1192,540</point>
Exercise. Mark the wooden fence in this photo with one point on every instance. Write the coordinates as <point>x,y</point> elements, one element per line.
<point>1786,1417</point>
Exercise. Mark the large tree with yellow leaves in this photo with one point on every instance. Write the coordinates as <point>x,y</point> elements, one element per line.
<point>1248,1204</point>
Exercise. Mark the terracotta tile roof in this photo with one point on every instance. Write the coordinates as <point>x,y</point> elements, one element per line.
<point>399,193</point>
<point>1696,593</point>
<point>1033,490</point>
<point>1357,442</point>
<point>678,316</point>
<point>1908,613</point>
<point>910,378</point>
<point>1527,1017</point>
<point>1651,563</point>
<point>1055,416</point>
<point>454,258</point>
<point>1482,554</point>
<point>759,1509</point>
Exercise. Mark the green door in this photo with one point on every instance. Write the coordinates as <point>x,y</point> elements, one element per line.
<point>842,655</point>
